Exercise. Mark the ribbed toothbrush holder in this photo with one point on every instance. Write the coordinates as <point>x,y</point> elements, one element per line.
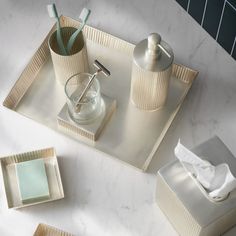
<point>67,65</point>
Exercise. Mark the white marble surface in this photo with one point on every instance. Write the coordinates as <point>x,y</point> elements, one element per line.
<point>103,196</point>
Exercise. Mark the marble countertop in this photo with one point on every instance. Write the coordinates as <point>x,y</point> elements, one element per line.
<point>103,196</point>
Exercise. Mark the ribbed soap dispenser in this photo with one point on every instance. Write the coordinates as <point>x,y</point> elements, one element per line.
<point>151,72</point>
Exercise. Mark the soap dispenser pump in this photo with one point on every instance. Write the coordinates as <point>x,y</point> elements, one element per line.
<point>151,72</point>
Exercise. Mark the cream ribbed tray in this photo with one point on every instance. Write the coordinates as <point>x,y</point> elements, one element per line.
<point>131,135</point>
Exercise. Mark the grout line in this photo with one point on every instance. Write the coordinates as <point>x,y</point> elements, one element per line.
<point>221,17</point>
<point>203,16</point>
<point>232,50</point>
<point>231,5</point>
<point>188,5</point>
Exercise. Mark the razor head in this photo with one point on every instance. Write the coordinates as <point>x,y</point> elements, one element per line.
<point>52,10</point>
<point>101,68</point>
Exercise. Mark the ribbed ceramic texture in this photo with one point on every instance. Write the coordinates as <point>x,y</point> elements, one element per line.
<point>181,218</point>
<point>66,66</point>
<point>7,164</point>
<point>46,230</point>
<point>100,37</point>
<point>77,130</point>
<point>28,75</point>
<point>175,211</point>
<point>186,75</point>
<point>27,156</point>
<point>149,89</point>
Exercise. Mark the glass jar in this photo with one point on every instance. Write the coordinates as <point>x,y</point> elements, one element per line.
<point>91,106</point>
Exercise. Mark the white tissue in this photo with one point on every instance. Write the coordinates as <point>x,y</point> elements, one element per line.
<point>218,180</point>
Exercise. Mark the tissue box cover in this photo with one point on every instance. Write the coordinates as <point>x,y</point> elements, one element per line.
<point>179,197</point>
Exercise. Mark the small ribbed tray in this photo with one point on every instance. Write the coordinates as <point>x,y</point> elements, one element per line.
<point>8,169</point>
<point>46,230</point>
<point>131,135</point>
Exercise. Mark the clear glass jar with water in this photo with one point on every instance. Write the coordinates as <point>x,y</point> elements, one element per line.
<point>91,106</point>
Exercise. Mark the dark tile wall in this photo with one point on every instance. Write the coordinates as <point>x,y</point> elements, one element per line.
<point>217,17</point>
<point>183,3</point>
<point>196,9</point>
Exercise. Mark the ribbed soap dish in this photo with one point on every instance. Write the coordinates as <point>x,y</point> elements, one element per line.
<point>9,175</point>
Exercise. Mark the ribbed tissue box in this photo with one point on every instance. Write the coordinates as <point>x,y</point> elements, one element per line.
<point>32,180</point>
<point>186,207</point>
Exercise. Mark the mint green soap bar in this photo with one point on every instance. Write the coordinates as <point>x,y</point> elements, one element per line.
<point>32,180</point>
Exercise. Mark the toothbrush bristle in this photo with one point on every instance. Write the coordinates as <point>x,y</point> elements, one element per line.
<point>84,15</point>
<point>52,10</point>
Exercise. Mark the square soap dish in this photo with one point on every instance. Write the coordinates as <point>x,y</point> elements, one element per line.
<point>8,168</point>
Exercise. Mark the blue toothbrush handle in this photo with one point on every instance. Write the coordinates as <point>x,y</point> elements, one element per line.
<point>73,38</point>
<point>59,39</point>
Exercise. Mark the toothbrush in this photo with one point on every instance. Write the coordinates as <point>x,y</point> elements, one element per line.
<point>100,68</point>
<point>52,12</point>
<point>84,15</point>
